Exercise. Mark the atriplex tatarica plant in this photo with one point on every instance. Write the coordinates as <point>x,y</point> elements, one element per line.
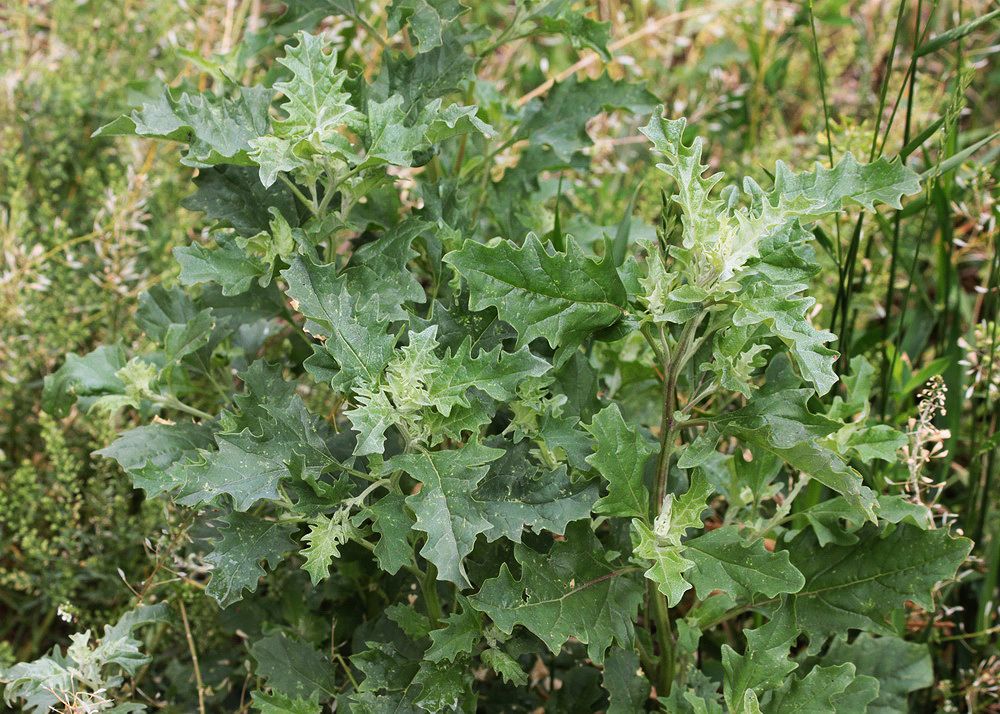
<point>501,452</point>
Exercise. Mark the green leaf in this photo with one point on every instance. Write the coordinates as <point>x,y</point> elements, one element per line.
<point>785,314</point>
<point>436,73</point>
<point>274,155</point>
<point>858,696</point>
<point>628,690</point>
<point>226,265</point>
<point>280,704</point>
<point>721,237</point>
<point>880,441</point>
<point>171,319</point>
<point>370,703</point>
<point>325,537</point>
<point>735,357</point>
<point>724,560</point>
<point>456,322</point>
<point>236,556</point>
<point>455,120</point>
<point>781,424</point>
<point>47,683</point>
<point>139,378</point>
<point>678,513</point>
<point>560,122</point>
<point>816,692</point>
<point>315,107</point>
<point>161,309</point>
<point>390,138</point>
<point>835,521</point>
<point>662,544</point>
<point>764,666</point>
<point>244,468</point>
<point>701,450</point>
<point>85,379</point>
<point>699,703</point>
<point>356,336</point>
<point>504,665</point>
<point>396,680</point>
<point>425,19</point>
<point>496,372</point>
<point>899,667</point>
<point>862,586</point>
<point>398,135</point>
<point>571,591</point>
<point>824,190</point>
<point>668,565</point>
<point>233,196</point>
<point>294,668</point>
<point>856,438</point>
<point>218,130</point>
<point>518,494</point>
<point>954,34</point>
<point>379,270</point>
<point>561,436</point>
<point>387,665</point>
<point>392,520</point>
<point>247,467</point>
<point>620,456</point>
<point>418,380</point>
<point>147,452</point>
<point>858,384</point>
<point>414,624</point>
<point>461,631</point>
<point>559,18</point>
<point>444,507</point>
<point>562,297</point>
<point>442,687</point>
<point>372,416</point>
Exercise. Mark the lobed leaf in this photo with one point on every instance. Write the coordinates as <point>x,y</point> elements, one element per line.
<point>245,541</point>
<point>445,509</point>
<point>620,456</point>
<point>561,297</point>
<point>571,591</point>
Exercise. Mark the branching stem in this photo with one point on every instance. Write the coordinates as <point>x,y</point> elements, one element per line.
<point>172,402</point>
<point>668,424</point>
<point>669,428</point>
<point>297,193</point>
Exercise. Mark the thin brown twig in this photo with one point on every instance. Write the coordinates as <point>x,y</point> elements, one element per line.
<point>160,561</point>
<point>194,658</point>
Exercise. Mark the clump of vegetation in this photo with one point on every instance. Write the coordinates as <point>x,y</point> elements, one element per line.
<point>84,229</point>
<point>479,392</point>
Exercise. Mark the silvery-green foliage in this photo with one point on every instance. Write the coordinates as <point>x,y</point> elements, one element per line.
<point>87,673</point>
<point>455,410</point>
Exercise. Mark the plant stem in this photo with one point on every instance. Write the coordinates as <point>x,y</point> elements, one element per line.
<point>428,586</point>
<point>297,193</point>
<point>669,428</point>
<point>173,402</point>
<point>194,657</point>
<point>669,425</point>
<point>970,635</point>
<point>645,657</point>
<point>665,639</point>
<point>383,42</point>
